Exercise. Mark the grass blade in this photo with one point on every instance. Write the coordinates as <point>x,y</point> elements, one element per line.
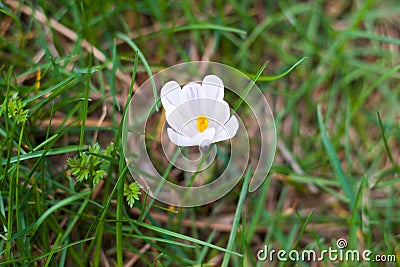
<point>205,26</point>
<point>303,228</point>
<point>236,219</point>
<point>355,216</point>
<point>60,204</point>
<point>163,240</point>
<point>113,75</point>
<point>394,163</point>
<point>51,152</point>
<point>279,76</point>
<point>344,183</point>
<point>37,257</point>
<point>184,237</point>
<point>249,87</point>
<point>145,63</point>
<point>69,79</point>
<point>55,245</point>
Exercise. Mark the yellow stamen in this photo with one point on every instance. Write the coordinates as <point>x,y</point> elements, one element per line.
<point>202,123</point>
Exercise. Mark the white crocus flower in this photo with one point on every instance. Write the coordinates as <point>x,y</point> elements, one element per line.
<point>197,114</point>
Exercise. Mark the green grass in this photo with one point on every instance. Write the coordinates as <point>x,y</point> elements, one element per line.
<point>332,81</point>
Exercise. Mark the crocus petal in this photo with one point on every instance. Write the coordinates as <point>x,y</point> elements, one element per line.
<point>213,87</point>
<point>192,91</point>
<point>228,131</point>
<point>183,119</point>
<point>217,112</point>
<point>178,139</point>
<point>205,138</point>
<point>170,96</point>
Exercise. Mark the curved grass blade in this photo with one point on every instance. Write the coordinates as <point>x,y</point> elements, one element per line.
<point>206,26</point>
<point>60,204</point>
<point>249,87</point>
<point>145,64</point>
<point>184,237</point>
<point>276,77</point>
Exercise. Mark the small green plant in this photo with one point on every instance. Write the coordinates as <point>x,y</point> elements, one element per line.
<point>16,109</point>
<point>87,165</point>
<point>131,192</point>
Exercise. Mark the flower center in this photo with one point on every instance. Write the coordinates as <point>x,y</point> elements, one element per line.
<point>202,123</point>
